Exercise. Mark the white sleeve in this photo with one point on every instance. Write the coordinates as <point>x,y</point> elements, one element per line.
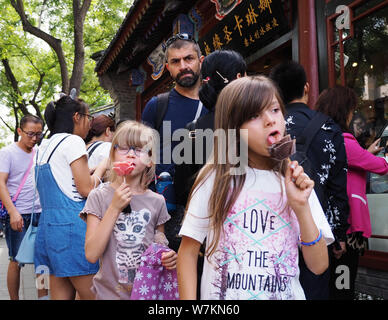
<point>73,148</point>
<point>196,222</point>
<point>320,218</point>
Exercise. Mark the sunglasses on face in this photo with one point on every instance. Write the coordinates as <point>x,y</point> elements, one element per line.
<point>179,36</point>
<point>125,150</point>
<point>30,134</point>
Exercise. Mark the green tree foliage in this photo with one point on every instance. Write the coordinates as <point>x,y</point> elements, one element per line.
<point>34,33</point>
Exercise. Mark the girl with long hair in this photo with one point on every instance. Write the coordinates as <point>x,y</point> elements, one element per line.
<point>253,219</point>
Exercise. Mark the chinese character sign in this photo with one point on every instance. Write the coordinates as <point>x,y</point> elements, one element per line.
<point>249,26</point>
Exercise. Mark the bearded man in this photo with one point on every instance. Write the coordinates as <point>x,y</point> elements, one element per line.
<point>183,61</point>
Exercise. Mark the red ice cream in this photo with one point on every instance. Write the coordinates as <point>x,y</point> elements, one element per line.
<point>123,168</point>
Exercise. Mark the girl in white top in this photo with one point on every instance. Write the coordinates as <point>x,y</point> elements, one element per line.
<point>254,220</point>
<point>63,182</point>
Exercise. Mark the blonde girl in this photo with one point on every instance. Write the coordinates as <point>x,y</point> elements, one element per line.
<point>113,236</point>
<point>254,222</point>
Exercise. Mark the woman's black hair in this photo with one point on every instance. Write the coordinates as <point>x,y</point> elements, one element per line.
<point>59,114</point>
<point>218,69</point>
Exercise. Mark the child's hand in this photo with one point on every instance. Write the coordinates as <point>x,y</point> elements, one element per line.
<point>169,259</point>
<point>298,185</point>
<point>121,197</point>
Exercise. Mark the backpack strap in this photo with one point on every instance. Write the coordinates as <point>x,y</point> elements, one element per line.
<point>48,160</point>
<point>311,130</point>
<point>191,126</point>
<point>161,108</point>
<point>93,147</point>
<point>199,109</point>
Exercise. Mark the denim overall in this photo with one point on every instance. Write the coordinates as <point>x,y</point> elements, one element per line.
<point>60,239</point>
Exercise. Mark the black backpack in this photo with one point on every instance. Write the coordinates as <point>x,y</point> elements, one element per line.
<point>302,146</point>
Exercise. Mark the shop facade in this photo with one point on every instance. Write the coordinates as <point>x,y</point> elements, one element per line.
<point>337,41</point>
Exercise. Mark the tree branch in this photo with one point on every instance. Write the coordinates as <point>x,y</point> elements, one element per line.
<point>54,43</point>
<point>33,100</point>
<point>24,54</point>
<point>6,124</point>
<point>85,8</point>
<point>10,76</point>
<point>79,13</point>
<point>41,13</point>
<point>17,95</point>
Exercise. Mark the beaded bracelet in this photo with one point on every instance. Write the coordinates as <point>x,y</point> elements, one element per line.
<point>308,244</point>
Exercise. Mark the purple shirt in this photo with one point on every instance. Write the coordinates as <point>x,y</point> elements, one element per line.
<point>15,162</point>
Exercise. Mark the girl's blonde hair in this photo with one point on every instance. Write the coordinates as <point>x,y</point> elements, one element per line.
<point>133,133</point>
<point>237,103</point>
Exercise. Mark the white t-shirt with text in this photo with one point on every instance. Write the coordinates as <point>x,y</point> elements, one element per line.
<point>257,254</point>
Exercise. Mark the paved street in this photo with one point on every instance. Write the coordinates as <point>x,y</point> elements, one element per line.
<point>27,281</point>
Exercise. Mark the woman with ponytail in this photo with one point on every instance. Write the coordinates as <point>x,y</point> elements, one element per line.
<point>63,183</point>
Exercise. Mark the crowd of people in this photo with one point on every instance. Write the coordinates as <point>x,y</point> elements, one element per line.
<point>267,208</point>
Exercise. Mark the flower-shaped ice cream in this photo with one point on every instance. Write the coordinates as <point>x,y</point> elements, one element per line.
<point>123,168</point>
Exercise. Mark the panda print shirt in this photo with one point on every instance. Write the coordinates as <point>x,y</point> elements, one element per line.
<point>131,236</point>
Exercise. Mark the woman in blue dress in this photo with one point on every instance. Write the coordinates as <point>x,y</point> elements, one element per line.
<point>64,182</point>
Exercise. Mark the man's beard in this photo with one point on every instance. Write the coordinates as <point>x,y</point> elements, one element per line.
<point>187,82</point>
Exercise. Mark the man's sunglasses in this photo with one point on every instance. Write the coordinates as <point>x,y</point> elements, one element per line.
<point>179,36</point>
